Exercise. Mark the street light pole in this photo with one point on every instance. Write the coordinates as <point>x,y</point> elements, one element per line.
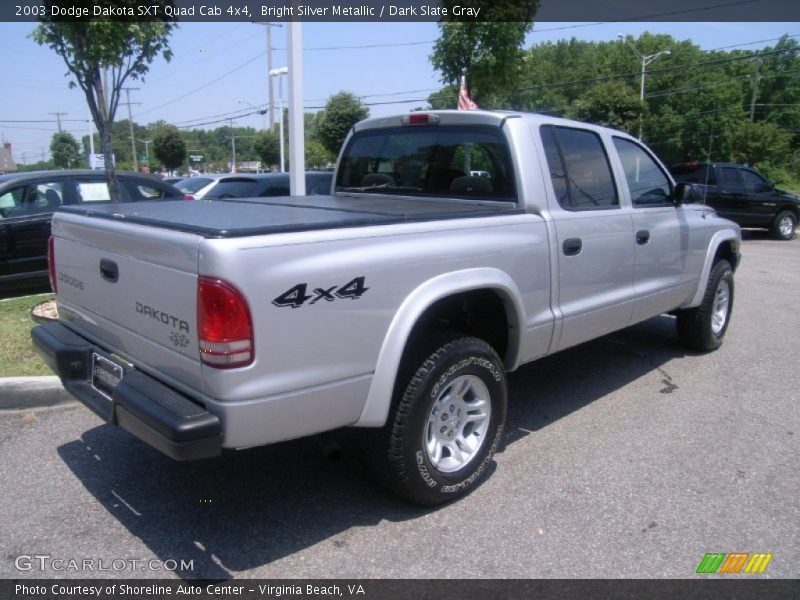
<point>646,60</point>
<point>271,106</point>
<point>233,148</point>
<point>279,73</point>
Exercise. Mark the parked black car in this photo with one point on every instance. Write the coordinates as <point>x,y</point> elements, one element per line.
<point>267,184</point>
<point>27,203</point>
<point>743,195</point>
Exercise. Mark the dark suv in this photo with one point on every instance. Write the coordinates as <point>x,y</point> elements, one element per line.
<point>27,203</point>
<point>743,195</point>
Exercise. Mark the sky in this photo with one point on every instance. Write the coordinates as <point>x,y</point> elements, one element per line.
<point>221,68</point>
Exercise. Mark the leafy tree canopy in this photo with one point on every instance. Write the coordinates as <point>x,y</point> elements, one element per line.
<point>267,146</point>
<point>169,147</point>
<point>91,47</point>
<point>342,111</point>
<point>65,151</point>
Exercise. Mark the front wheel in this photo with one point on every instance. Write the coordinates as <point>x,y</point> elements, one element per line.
<point>702,328</point>
<point>445,424</point>
<point>783,226</point>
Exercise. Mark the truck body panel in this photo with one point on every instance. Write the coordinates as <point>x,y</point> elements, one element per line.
<point>336,286</point>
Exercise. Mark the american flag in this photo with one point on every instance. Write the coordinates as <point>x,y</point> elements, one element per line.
<point>464,101</point>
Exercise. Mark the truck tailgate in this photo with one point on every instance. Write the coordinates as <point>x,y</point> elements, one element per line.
<point>132,290</point>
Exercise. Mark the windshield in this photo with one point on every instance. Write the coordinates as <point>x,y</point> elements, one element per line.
<point>192,184</point>
<point>232,188</point>
<point>429,160</point>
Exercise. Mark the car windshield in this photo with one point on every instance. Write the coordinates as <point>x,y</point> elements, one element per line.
<point>233,188</point>
<point>429,160</point>
<point>192,184</point>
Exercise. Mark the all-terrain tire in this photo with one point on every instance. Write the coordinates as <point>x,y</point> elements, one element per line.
<point>703,328</point>
<point>445,423</point>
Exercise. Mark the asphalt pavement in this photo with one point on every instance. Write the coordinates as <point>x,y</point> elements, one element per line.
<point>625,457</point>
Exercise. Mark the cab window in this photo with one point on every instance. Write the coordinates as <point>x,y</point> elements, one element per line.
<point>647,183</point>
<point>579,169</point>
<point>753,181</point>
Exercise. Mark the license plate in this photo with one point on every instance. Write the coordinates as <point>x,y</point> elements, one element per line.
<point>106,375</point>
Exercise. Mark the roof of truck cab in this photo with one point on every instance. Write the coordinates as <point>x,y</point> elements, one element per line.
<point>482,117</point>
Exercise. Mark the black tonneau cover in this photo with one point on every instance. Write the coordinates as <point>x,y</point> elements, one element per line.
<point>256,216</point>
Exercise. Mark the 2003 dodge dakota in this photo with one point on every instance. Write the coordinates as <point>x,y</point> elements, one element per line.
<point>454,247</point>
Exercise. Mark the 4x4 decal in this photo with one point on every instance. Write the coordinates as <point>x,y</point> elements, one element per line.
<point>298,295</point>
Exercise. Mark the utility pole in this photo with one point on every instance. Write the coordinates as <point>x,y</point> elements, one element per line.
<point>58,118</point>
<point>271,96</point>
<point>754,79</point>
<point>146,151</point>
<point>233,148</point>
<point>128,91</point>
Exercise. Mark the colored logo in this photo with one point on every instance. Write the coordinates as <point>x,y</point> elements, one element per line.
<point>734,562</point>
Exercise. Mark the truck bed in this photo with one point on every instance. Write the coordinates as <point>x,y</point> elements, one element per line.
<point>256,216</point>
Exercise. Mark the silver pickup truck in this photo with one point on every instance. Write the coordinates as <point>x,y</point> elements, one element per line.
<point>454,247</point>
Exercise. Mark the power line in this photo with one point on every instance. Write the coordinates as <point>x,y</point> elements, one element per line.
<point>205,85</point>
<point>359,47</point>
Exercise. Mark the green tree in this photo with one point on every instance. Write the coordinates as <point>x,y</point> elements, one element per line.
<point>317,156</point>
<point>169,147</point>
<point>267,147</point>
<point>757,143</point>
<point>488,54</point>
<point>610,104</point>
<point>92,47</point>
<point>65,150</point>
<point>342,111</point>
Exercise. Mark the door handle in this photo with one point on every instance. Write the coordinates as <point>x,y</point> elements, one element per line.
<point>572,246</point>
<point>109,270</point>
<point>642,237</point>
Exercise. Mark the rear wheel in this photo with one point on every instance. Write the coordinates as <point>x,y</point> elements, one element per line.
<point>445,425</point>
<point>784,225</point>
<point>702,328</point>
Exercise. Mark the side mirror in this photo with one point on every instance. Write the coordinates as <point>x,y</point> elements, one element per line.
<point>683,193</point>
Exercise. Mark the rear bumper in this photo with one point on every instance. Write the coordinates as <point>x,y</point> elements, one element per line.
<point>154,413</point>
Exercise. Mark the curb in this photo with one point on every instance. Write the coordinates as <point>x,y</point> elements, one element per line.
<point>20,393</point>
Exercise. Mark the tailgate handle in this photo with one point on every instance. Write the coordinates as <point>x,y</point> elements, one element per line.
<point>109,270</point>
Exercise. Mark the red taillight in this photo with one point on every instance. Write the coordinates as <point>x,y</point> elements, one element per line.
<point>188,197</point>
<point>224,327</point>
<point>51,263</point>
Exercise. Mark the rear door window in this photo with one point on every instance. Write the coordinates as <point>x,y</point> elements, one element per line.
<point>89,191</point>
<point>587,172</point>
<point>731,177</point>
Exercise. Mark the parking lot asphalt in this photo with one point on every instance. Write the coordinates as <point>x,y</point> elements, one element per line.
<point>625,457</point>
